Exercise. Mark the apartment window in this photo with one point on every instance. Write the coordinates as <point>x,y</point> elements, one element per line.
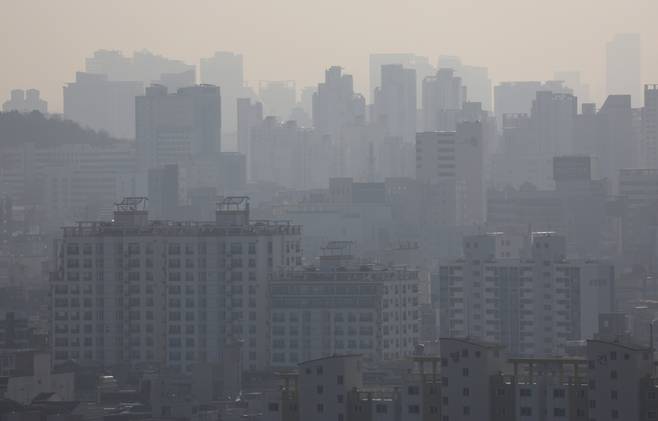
<point>320,390</point>
<point>525,392</point>
<point>413,390</point>
<point>381,408</point>
<point>466,391</point>
<point>615,414</point>
<point>339,398</point>
<point>613,395</point>
<point>613,374</point>
<point>558,393</point>
<point>465,372</point>
<point>413,409</point>
<point>273,407</point>
<point>339,380</point>
<point>319,370</point>
<point>467,410</point>
<point>559,412</point>
<point>526,411</point>
<point>320,408</point>
<point>651,415</point>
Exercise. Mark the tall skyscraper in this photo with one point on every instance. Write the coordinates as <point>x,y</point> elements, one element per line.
<point>335,104</point>
<point>623,67</point>
<point>649,133</point>
<point>443,97</point>
<point>395,102</point>
<point>226,70</point>
<point>250,115</point>
<point>96,102</point>
<point>420,64</point>
<point>517,97</point>
<point>278,97</point>
<point>181,128</point>
<point>475,78</point>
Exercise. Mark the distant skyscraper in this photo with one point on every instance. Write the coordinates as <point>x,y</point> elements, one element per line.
<point>181,128</point>
<point>250,115</point>
<point>101,104</point>
<point>649,145</point>
<point>25,102</point>
<point>623,67</point>
<point>226,70</point>
<point>420,64</point>
<point>395,102</point>
<point>475,78</point>
<point>335,104</point>
<point>175,81</point>
<point>443,97</point>
<point>278,97</point>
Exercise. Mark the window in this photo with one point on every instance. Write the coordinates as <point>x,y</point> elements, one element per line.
<point>525,393</point>
<point>413,390</point>
<point>339,398</point>
<point>559,412</point>
<point>465,372</point>
<point>526,411</point>
<point>381,408</point>
<point>339,380</point>
<point>320,389</point>
<point>467,410</point>
<point>466,392</point>
<point>273,407</point>
<point>413,409</point>
<point>320,408</point>
<point>558,393</point>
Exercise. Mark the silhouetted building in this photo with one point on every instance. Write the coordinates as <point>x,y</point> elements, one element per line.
<point>163,191</point>
<point>624,67</point>
<point>226,70</point>
<point>395,102</point>
<point>25,102</point>
<point>335,105</point>
<point>443,97</point>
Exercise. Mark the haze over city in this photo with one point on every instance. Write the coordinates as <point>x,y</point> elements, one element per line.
<point>297,39</point>
<point>328,210</point>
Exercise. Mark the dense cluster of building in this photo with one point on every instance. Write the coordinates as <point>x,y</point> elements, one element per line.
<point>440,249</point>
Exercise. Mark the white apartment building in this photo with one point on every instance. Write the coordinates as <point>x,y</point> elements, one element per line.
<point>531,305</point>
<point>134,291</point>
<point>338,309</point>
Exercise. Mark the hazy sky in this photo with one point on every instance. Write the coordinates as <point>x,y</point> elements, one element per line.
<point>43,42</point>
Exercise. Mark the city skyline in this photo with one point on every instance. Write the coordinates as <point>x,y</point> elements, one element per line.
<point>304,35</point>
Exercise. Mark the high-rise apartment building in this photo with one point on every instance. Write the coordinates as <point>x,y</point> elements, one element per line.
<point>453,161</point>
<point>443,97</point>
<point>649,131</point>
<point>533,304</point>
<point>344,308</point>
<point>335,105</point>
<point>395,102</point>
<point>134,291</point>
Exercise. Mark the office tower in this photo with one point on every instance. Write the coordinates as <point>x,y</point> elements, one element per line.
<point>649,130</point>
<point>420,64</point>
<point>621,384</point>
<point>517,97</point>
<point>532,305</point>
<point>143,66</point>
<point>135,291</point>
<point>572,80</point>
<point>552,117</point>
<point>100,104</point>
<point>335,105</point>
<point>226,70</point>
<point>443,96</point>
<point>624,67</point>
<point>181,128</point>
<point>474,78</point>
<point>163,192</point>
<point>341,307</point>
<point>25,102</point>
<point>249,116</point>
<point>453,161</point>
<point>395,102</point>
<point>278,97</point>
